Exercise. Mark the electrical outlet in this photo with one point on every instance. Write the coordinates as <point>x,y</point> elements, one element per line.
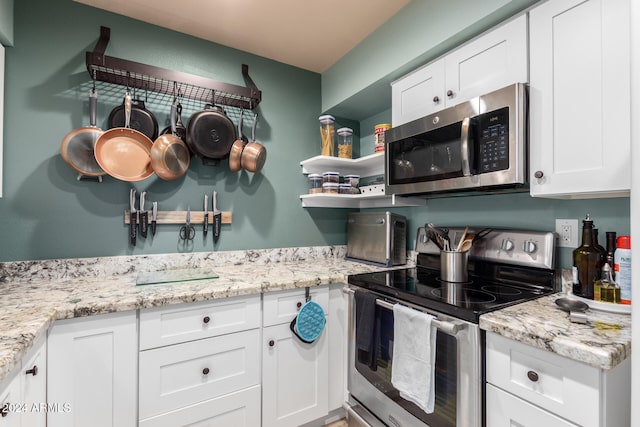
<point>567,230</point>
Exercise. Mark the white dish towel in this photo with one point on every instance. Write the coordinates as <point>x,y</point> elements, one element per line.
<point>414,356</point>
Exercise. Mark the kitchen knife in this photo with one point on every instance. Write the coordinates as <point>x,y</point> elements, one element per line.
<point>133,229</point>
<point>217,218</point>
<point>205,228</point>
<point>144,215</point>
<point>154,217</point>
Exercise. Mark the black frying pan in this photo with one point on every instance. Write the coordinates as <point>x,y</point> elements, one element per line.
<point>210,134</point>
<point>141,119</point>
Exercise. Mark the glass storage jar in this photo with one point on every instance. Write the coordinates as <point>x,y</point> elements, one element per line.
<point>353,180</point>
<point>333,177</point>
<point>327,134</point>
<point>315,183</point>
<point>330,188</point>
<point>345,143</point>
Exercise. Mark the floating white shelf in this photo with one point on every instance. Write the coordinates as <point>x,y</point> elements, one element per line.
<point>370,165</point>
<point>360,201</point>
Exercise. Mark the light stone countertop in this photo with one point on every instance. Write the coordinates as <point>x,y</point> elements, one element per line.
<point>604,342</point>
<point>37,293</point>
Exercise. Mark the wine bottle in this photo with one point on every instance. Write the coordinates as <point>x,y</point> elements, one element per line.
<point>587,261</point>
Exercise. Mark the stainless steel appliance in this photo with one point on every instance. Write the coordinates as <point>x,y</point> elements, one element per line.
<point>480,144</point>
<point>505,267</point>
<point>377,237</point>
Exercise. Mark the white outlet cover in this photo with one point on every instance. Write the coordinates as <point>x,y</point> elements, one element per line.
<point>567,230</point>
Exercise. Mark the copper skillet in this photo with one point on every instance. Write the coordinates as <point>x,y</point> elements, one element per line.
<point>77,147</point>
<point>170,156</point>
<point>254,154</point>
<point>124,153</point>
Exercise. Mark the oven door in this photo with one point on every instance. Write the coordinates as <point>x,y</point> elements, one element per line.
<point>458,380</point>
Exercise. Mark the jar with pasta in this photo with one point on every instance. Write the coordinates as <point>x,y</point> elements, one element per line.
<point>345,142</point>
<point>327,134</point>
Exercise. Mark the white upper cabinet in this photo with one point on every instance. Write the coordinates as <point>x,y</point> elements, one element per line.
<point>580,99</point>
<point>493,60</point>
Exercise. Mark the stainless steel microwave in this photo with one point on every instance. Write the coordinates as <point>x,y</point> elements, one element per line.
<point>480,144</point>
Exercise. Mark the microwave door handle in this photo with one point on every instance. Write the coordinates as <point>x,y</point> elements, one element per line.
<point>464,147</point>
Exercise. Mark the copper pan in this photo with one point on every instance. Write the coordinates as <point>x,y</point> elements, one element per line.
<point>77,147</point>
<point>170,156</point>
<point>254,154</point>
<point>124,153</point>
<point>235,155</point>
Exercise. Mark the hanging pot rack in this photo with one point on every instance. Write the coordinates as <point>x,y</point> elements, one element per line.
<point>151,78</point>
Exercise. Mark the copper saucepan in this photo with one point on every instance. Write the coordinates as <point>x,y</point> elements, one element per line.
<point>124,153</point>
<point>235,155</point>
<point>77,147</point>
<point>170,156</point>
<point>254,154</point>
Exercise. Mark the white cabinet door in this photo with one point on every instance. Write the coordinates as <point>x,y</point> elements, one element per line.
<point>294,378</point>
<point>489,62</point>
<point>92,367</point>
<point>11,405</point>
<point>337,327</point>
<point>239,409</point>
<point>496,59</point>
<point>579,98</point>
<point>506,410</point>
<point>418,94</point>
<point>34,385</point>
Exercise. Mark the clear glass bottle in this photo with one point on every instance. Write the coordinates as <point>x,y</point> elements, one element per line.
<point>606,289</point>
<point>327,134</point>
<point>587,262</point>
<point>610,251</point>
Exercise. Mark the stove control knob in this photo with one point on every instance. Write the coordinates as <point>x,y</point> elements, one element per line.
<point>529,247</point>
<point>507,245</point>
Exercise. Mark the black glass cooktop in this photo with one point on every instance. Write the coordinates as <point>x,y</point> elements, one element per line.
<point>422,286</point>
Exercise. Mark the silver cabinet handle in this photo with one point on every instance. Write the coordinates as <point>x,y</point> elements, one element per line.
<point>464,147</point>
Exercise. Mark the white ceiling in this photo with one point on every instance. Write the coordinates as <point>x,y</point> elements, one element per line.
<point>305,34</point>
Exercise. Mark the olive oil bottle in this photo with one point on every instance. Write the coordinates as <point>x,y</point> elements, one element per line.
<point>587,262</point>
<point>606,289</point>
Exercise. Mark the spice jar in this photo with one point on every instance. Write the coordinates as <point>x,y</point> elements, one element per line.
<point>330,188</point>
<point>333,177</point>
<point>345,142</point>
<point>315,183</point>
<point>327,134</point>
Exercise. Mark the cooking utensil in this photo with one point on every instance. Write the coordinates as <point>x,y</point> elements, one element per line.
<point>133,217</point>
<point>144,215</point>
<point>170,157</point>
<point>154,217</point>
<point>254,154</point>
<point>217,218</point>
<point>77,147</point>
<point>141,118</point>
<point>124,153</point>
<point>462,237</point>
<point>442,234</point>
<point>210,134</point>
<point>309,322</point>
<point>235,155</point>
<point>187,231</point>
<point>205,227</point>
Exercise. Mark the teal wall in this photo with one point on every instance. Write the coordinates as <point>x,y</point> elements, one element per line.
<point>46,213</point>
<point>6,22</point>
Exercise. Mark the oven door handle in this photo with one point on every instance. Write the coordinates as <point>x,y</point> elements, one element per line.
<point>450,328</point>
<point>464,147</point>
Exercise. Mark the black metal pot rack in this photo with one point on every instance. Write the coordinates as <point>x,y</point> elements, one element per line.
<point>148,77</point>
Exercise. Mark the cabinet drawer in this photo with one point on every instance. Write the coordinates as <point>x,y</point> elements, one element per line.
<point>187,322</point>
<point>180,375</point>
<point>560,385</point>
<point>281,307</point>
<point>239,409</point>
<point>506,410</point>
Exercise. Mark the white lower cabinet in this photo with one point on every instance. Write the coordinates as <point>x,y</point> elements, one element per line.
<point>527,386</point>
<point>199,364</point>
<point>92,371</point>
<point>23,394</point>
<point>294,374</point>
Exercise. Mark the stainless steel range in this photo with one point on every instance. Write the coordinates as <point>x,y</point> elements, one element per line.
<point>505,267</point>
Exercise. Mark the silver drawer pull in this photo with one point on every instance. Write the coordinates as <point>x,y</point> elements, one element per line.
<point>533,376</point>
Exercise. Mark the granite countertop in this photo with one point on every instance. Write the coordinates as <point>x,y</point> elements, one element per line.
<point>604,342</point>
<point>36,293</point>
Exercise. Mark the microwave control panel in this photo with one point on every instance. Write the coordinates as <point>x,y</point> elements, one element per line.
<point>493,138</point>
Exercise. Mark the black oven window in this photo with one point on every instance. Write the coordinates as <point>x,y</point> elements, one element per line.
<point>378,373</point>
